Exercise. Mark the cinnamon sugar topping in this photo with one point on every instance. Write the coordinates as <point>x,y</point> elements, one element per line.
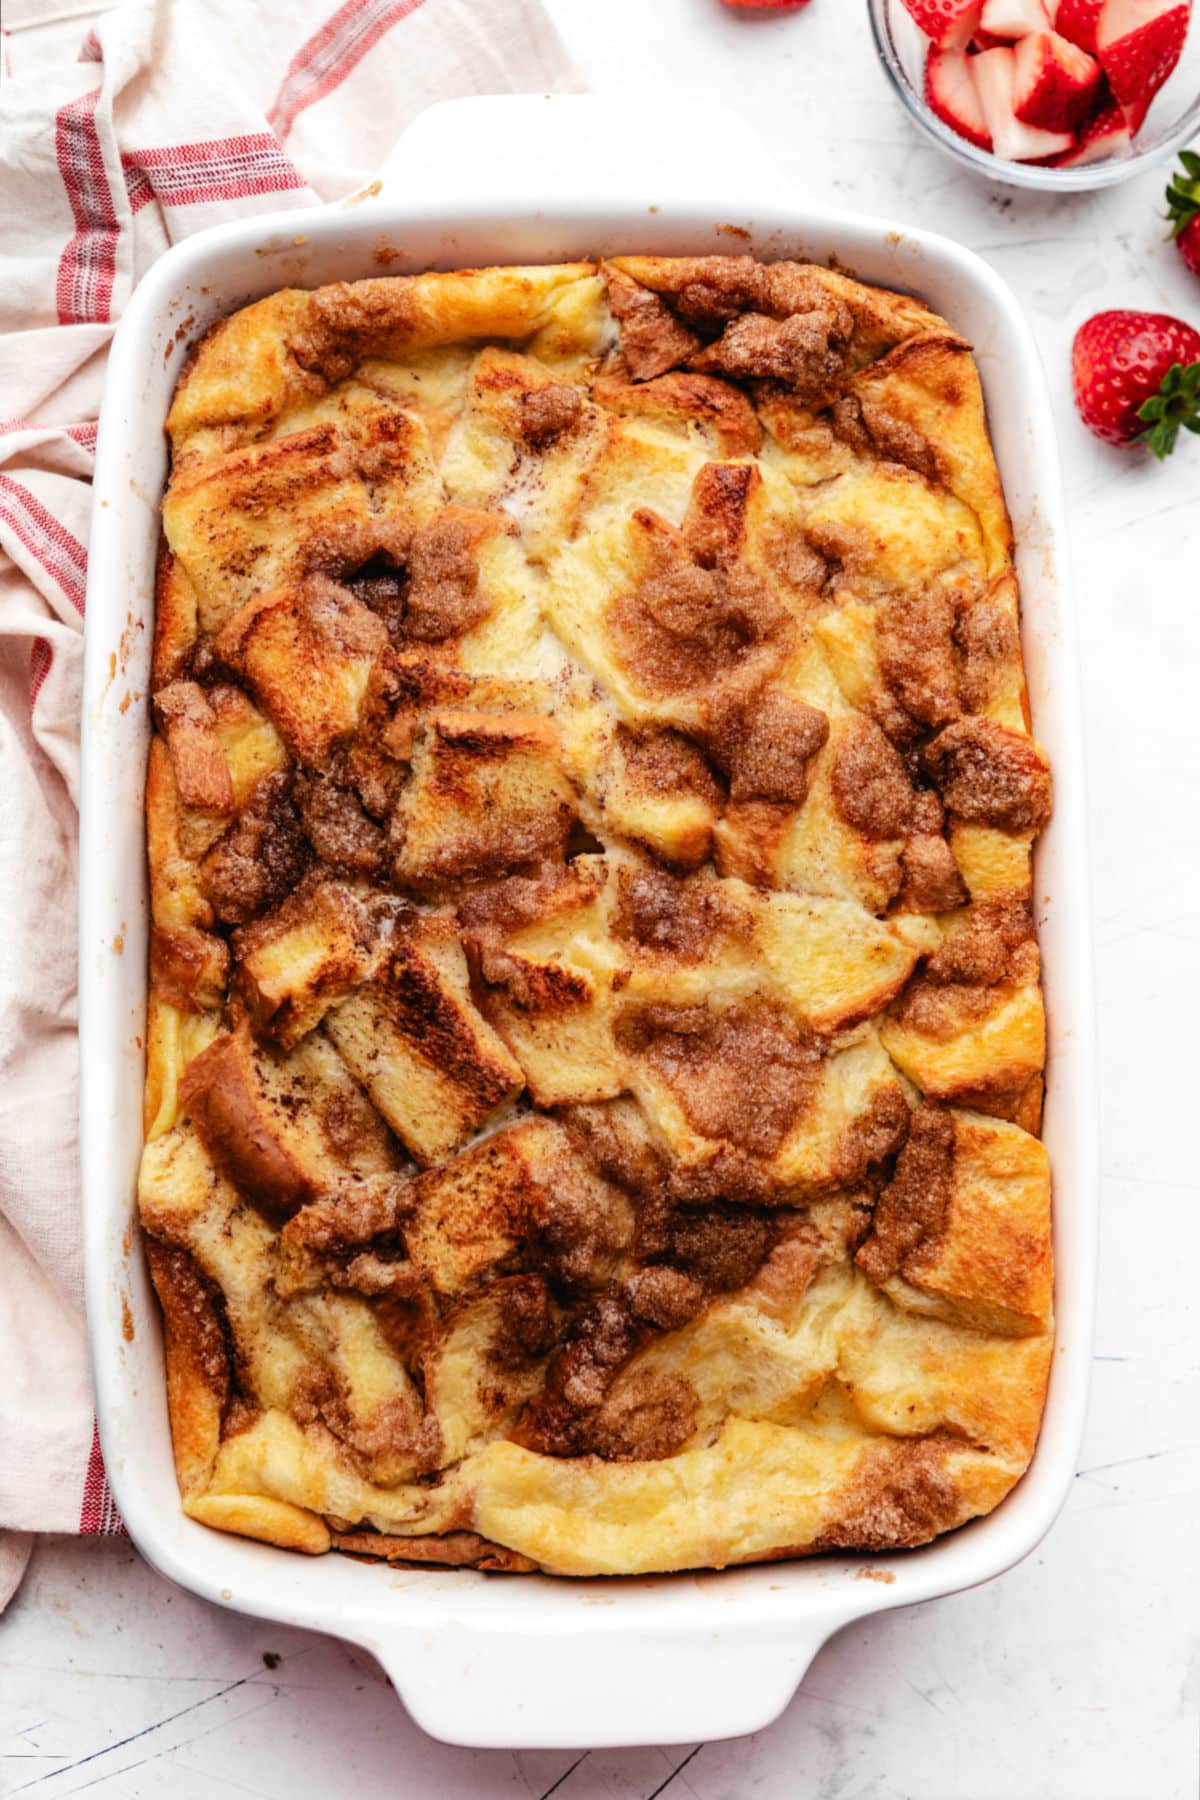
<point>870,784</point>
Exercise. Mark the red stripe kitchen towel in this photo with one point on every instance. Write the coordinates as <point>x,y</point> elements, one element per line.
<point>121,131</point>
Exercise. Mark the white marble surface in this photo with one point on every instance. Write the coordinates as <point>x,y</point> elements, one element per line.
<point>1077,1674</point>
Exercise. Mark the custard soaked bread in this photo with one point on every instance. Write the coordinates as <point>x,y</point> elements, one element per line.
<point>596,1037</point>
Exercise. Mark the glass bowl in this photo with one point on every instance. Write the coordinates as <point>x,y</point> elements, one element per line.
<point>1172,121</point>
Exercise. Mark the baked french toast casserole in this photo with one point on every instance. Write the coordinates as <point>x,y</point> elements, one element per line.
<point>596,1040</point>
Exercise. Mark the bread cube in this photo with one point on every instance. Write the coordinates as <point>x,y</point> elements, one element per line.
<point>306,651</point>
<point>189,725</point>
<point>962,1232</point>
<point>431,1063</point>
<point>296,961</point>
<point>488,794</point>
<point>971,1028</point>
<point>488,1360</point>
<point>283,1129</point>
<point>321,499</point>
<point>658,790</point>
<point>546,969</point>
<point>520,1187</point>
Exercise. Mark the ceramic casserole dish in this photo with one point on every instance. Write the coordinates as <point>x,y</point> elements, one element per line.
<point>539,1661</point>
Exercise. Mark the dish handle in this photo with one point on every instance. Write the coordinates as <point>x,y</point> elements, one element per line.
<point>591,152</point>
<point>609,1682</point>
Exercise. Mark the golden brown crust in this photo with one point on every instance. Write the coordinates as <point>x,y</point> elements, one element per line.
<point>175,623</point>
<point>197,1357</point>
<point>295,962</point>
<point>695,401</point>
<point>596,1036</point>
<point>189,969</point>
<point>222,1096</point>
<point>189,725</point>
<point>653,340</point>
<point>450,1550</point>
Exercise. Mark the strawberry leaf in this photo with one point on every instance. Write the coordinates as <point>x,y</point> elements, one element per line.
<point>1176,405</point>
<point>1183,193</point>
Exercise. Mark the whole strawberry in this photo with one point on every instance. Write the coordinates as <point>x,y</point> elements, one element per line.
<point>1137,378</point>
<point>1183,201</point>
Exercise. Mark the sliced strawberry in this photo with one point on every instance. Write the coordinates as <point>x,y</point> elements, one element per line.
<point>950,24</point>
<point>950,92</point>
<point>767,5</point>
<point>1013,18</point>
<point>995,72</point>
<point>1139,42</point>
<point>986,40</point>
<point>1105,135</point>
<point>1054,84</point>
<point>1076,20</point>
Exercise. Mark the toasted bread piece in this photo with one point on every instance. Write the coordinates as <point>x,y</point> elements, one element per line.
<point>197,759</point>
<point>295,962</point>
<point>815,848</point>
<point>198,1371</point>
<point>525,432</point>
<point>506,1332</point>
<point>972,1028</point>
<point>546,973</point>
<point>488,794</point>
<point>657,789</point>
<point>981,1056</point>
<point>176,897</point>
<point>962,1233</point>
<point>431,1063</point>
<point>306,653</point>
<point>921,405</point>
<point>174,1035</point>
<point>282,1128</point>
<point>523,1184</point>
<point>175,622</point>
<point>241,747</point>
<point>348,491</point>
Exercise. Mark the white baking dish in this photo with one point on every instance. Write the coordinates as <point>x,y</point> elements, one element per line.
<point>534,1661</point>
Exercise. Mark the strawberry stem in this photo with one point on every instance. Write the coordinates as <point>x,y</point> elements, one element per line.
<point>1183,194</point>
<point>1176,404</point>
